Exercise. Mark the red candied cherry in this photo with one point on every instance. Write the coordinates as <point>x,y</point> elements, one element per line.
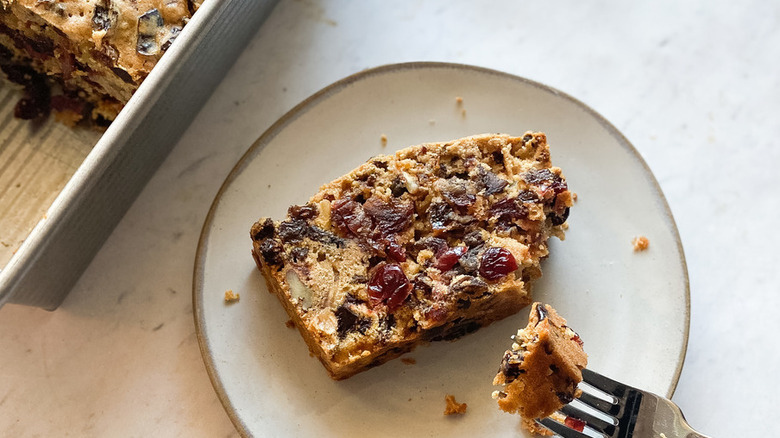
<point>497,263</point>
<point>574,423</point>
<point>389,285</point>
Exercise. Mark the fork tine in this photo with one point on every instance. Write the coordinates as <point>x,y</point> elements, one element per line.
<point>561,429</point>
<point>605,384</point>
<point>594,422</point>
<point>610,408</point>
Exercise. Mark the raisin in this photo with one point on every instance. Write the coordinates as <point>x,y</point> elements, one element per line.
<point>469,285</point>
<point>389,217</point>
<point>349,322</point>
<point>457,194</point>
<point>434,244</point>
<point>473,239</point>
<point>349,217</point>
<point>299,254</point>
<point>546,180</point>
<point>448,258</point>
<point>271,251</point>
<point>470,262</point>
<point>498,157</point>
<point>558,219</point>
<point>497,263</point>
<point>565,397</point>
<point>318,234</point>
<point>398,187</point>
<point>263,230</point>
<point>307,211</point>
<point>490,182</point>
<point>293,230</point>
<point>36,102</point>
<point>123,75</point>
<point>394,250</point>
<point>389,285</point>
<point>440,215</point>
<point>508,210</point>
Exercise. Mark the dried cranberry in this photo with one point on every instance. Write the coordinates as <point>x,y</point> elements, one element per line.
<point>394,250</point>
<point>546,180</point>
<point>449,257</point>
<point>507,210</point>
<point>389,285</point>
<point>497,263</point>
<point>574,423</point>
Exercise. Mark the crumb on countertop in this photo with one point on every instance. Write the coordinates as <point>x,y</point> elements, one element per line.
<point>640,243</point>
<point>453,407</point>
<point>409,360</point>
<point>231,296</point>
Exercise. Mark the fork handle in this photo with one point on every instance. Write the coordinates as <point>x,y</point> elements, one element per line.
<point>670,420</point>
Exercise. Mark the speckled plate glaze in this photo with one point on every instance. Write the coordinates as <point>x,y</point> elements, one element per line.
<point>631,309</point>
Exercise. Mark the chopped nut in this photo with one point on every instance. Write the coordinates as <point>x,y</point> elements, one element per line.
<point>453,407</point>
<point>640,243</point>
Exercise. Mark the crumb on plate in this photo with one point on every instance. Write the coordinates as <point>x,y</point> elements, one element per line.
<point>231,296</point>
<point>640,243</point>
<point>383,139</point>
<point>453,407</point>
<point>289,323</point>
<point>409,360</point>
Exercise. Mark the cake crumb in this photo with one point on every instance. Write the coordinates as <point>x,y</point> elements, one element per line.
<point>231,296</point>
<point>453,407</point>
<point>432,122</point>
<point>383,139</point>
<point>640,243</point>
<point>289,323</point>
<point>459,100</point>
<point>574,196</point>
<point>409,360</point>
<point>463,112</point>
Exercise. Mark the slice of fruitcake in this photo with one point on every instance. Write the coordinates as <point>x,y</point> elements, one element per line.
<point>430,243</point>
<point>541,372</point>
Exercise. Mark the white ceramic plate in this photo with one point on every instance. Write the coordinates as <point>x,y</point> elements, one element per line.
<point>631,309</point>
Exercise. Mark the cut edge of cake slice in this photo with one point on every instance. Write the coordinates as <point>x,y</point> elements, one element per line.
<point>430,243</point>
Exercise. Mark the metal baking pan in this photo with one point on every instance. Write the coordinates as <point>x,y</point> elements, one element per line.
<point>103,174</point>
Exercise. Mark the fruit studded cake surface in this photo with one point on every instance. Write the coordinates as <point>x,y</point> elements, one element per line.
<point>541,371</point>
<point>99,51</point>
<point>430,243</point>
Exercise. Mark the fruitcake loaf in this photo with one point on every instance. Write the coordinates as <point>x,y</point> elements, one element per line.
<point>541,371</point>
<point>98,51</point>
<point>430,243</point>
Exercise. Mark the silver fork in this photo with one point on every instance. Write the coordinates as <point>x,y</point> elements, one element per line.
<point>629,412</point>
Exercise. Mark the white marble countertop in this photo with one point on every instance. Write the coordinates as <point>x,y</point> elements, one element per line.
<point>693,85</point>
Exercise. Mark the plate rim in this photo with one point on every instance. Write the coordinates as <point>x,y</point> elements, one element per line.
<point>310,102</point>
